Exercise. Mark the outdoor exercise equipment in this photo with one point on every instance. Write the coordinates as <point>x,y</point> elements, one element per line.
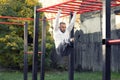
<point>111,42</point>
<point>26,51</point>
<point>80,6</point>
<point>25,25</point>
<point>15,18</point>
<point>12,23</point>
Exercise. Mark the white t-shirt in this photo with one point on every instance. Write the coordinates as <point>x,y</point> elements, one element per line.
<point>60,37</point>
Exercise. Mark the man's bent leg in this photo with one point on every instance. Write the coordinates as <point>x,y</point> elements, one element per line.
<point>64,50</point>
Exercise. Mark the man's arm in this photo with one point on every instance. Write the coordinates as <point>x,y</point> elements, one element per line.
<point>56,26</point>
<point>69,28</point>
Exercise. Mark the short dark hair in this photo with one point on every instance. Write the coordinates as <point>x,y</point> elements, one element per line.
<point>62,23</point>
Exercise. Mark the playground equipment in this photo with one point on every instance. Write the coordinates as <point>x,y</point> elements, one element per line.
<point>25,25</point>
<point>12,23</point>
<point>80,6</point>
<point>72,5</point>
<point>15,18</point>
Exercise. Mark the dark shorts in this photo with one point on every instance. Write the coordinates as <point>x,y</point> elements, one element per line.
<point>64,49</point>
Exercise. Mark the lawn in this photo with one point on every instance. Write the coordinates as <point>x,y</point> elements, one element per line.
<point>57,75</point>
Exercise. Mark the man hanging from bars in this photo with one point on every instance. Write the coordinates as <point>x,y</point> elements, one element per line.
<point>61,35</point>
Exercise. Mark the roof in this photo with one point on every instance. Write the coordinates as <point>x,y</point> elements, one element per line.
<point>80,6</point>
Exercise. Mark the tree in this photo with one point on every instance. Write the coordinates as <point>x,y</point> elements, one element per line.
<point>11,36</point>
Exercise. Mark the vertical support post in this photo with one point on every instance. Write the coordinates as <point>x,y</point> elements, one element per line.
<point>43,48</point>
<point>25,51</point>
<point>35,44</point>
<point>107,36</point>
<point>71,56</point>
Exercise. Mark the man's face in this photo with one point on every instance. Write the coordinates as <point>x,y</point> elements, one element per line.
<point>63,27</point>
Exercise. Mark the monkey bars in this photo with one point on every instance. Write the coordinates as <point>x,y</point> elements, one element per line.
<point>80,6</point>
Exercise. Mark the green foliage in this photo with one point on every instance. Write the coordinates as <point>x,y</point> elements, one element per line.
<point>11,36</point>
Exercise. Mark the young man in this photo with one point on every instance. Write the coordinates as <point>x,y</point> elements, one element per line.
<point>61,35</point>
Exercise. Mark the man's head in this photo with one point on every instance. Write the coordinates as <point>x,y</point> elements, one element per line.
<point>62,27</point>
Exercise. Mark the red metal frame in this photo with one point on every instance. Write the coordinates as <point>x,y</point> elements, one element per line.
<point>11,23</point>
<point>16,18</point>
<point>116,41</point>
<point>20,18</point>
<point>80,6</point>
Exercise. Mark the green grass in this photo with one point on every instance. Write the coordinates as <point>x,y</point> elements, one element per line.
<point>56,75</point>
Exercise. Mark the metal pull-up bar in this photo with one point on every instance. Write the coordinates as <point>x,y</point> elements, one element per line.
<point>31,19</point>
<point>16,18</point>
<point>12,23</point>
<point>112,42</point>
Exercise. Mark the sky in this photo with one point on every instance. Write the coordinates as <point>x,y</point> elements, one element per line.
<point>51,2</point>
